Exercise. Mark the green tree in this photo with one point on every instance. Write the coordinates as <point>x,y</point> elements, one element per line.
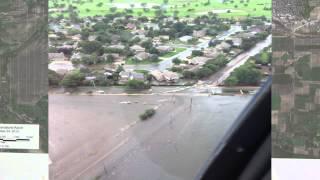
<point>204,72</point>
<point>213,67</point>
<point>247,74</point>
<point>154,50</point>
<point>231,81</point>
<point>110,58</point>
<point>116,75</point>
<point>113,9</point>
<point>154,58</point>
<point>188,74</point>
<point>119,69</point>
<point>137,84</point>
<point>147,44</point>
<point>247,43</point>
<point>73,79</point>
<point>264,58</point>
<point>90,47</point>
<point>102,80</point>
<point>176,69</point>
<point>86,60</point>
<point>197,53</point>
<point>54,78</point>
<point>176,61</point>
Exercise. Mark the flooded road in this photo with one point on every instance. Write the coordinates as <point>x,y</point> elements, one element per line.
<point>99,137</point>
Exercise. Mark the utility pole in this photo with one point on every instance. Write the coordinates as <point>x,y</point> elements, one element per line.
<point>173,99</point>
<point>175,146</point>
<point>94,85</point>
<point>105,169</point>
<point>171,121</point>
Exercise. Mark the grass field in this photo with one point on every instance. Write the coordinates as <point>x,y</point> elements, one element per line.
<point>183,7</point>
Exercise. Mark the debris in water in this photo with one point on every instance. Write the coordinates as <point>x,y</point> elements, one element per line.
<point>100,92</point>
<point>125,102</point>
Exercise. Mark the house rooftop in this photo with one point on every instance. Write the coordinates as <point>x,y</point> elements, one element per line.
<point>142,56</point>
<point>56,56</point>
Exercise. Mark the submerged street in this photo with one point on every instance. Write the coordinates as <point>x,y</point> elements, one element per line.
<point>103,137</point>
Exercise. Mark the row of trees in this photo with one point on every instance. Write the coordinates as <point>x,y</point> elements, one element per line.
<point>248,43</point>
<point>77,78</point>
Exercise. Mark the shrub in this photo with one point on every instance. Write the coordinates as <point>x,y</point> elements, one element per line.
<point>197,53</point>
<point>188,74</point>
<point>101,80</point>
<point>90,47</point>
<point>231,81</point>
<point>246,74</point>
<point>73,79</point>
<point>54,78</point>
<point>176,61</point>
<point>176,69</point>
<point>137,84</point>
<point>147,114</point>
<point>203,72</point>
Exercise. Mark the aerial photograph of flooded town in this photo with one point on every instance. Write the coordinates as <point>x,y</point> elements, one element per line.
<point>146,89</point>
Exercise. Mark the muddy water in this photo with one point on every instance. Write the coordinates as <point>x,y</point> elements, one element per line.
<point>114,144</point>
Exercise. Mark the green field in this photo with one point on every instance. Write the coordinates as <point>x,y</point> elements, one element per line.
<point>180,8</point>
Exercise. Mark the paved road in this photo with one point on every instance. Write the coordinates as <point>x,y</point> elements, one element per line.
<point>216,79</point>
<point>223,74</point>
<point>167,63</point>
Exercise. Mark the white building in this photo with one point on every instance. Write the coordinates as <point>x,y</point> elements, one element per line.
<point>61,67</point>
<point>185,38</point>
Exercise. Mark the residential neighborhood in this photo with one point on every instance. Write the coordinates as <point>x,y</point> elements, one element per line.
<point>125,44</point>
